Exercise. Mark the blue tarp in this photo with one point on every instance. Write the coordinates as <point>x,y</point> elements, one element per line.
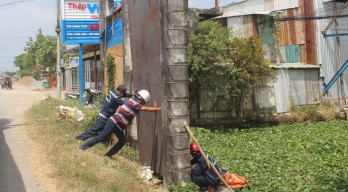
<point>114,30</point>
<point>114,33</point>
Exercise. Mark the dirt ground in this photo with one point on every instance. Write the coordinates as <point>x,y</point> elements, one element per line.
<point>13,105</point>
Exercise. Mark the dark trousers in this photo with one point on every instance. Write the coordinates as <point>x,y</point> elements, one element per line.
<point>109,128</point>
<point>97,127</point>
<point>203,181</point>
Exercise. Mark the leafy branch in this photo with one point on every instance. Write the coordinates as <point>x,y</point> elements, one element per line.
<point>110,70</point>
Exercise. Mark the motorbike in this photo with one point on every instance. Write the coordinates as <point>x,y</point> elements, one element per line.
<point>7,84</point>
<point>91,96</point>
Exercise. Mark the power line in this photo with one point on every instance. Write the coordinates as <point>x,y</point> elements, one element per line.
<point>16,2</point>
<point>298,18</point>
<point>42,20</point>
<point>327,12</point>
<point>24,31</point>
<point>13,37</point>
<point>7,57</point>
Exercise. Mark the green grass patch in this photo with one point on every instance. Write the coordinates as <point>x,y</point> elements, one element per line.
<point>73,169</point>
<point>293,157</point>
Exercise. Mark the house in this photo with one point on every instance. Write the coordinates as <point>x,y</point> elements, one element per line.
<point>304,59</point>
<point>92,69</point>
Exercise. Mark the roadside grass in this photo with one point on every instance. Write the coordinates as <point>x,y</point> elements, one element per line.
<point>61,162</point>
<point>288,157</point>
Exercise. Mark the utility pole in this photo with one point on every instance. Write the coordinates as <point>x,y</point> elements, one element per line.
<point>217,3</point>
<point>58,50</point>
<point>102,47</point>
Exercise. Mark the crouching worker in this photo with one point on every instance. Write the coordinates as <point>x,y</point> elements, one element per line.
<point>120,120</point>
<point>201,174</point>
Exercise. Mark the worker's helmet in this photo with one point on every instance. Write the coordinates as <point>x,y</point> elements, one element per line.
<point>145,95</point>
<point>194,148</point>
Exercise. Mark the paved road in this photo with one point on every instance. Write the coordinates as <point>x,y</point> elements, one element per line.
<point>16,174</point>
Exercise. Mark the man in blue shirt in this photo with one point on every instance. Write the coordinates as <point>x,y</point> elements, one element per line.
<point>112,102</point>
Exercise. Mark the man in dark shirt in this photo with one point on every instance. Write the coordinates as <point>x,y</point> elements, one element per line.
<point>112,102</point>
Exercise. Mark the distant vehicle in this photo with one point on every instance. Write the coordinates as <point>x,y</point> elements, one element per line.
<point>6,83</point>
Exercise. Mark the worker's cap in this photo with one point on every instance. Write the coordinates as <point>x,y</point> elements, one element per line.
<point>122,88</point>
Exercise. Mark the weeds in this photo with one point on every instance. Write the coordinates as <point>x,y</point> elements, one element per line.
<point>183,187</point>
<point>312,113</point>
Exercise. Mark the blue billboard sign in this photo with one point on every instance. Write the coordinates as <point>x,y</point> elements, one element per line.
<point>80,22</point>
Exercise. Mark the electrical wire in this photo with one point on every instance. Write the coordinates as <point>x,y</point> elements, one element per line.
<point>22,31</point>
<point>13,3</point>
<point>327,12</point>
<point>27,19</point>
<point>321,16</point>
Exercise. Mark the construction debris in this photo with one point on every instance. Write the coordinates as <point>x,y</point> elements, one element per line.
<point>146,172</point>
<point>70,113</point>
<point>147,175</point>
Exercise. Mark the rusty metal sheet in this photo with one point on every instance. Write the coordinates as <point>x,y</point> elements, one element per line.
<point>291,28</point>
<point>306,7</point>
<point>250,25</point>
<point>291,32</point>
<point>144,28</point>
<point>299,30</point>
<point>303,54</point>
<point>283,33</point>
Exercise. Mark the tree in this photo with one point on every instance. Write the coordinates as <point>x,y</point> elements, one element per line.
<point>208,46</point>
<point>25,69</point>
<point>245,65</point>
<point>40,53</point>
<point>10,73</point>
<point>227,67</point>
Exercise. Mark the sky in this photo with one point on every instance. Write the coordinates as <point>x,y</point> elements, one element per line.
<point>21,19</point>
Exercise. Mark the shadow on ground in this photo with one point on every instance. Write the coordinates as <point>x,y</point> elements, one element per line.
<point>10,177</point>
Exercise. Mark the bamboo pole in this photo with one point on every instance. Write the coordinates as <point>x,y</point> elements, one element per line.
<point>209,163</point>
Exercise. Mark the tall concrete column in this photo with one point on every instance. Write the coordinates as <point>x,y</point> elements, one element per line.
<point>174,62</point>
